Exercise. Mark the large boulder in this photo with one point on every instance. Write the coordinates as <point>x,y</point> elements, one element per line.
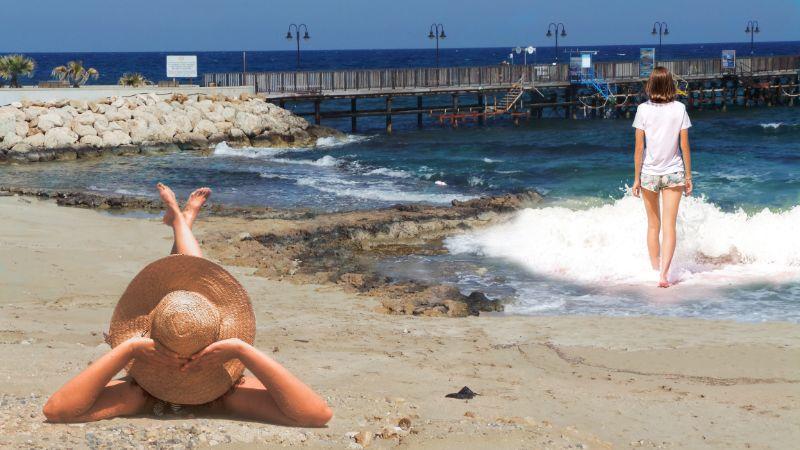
<point>10,139</point>
<point>86,118</point>
<point>181,123</point>
<point>139,131</point>
<point>59,137</point>
<point>33,112</point>
<point>206,128</point>
<point>49,121</point>
<point>36,140</point>
<point>249,123</point>
<point>191,141</point>
<point>84,130</point>
<point>119,114</point>
<point>115,138</point>
<point>92,141</point>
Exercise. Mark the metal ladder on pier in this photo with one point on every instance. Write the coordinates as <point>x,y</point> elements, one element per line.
<point>511,98</point>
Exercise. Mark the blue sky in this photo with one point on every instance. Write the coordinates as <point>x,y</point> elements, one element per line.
<point>161,25</point>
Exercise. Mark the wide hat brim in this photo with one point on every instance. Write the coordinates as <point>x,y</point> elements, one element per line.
<point>132,318</point>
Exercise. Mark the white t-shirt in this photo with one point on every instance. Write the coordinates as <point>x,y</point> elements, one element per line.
<point>662,124</point>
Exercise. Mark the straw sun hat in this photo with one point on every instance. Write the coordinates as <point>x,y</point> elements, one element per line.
<point>184,303</point>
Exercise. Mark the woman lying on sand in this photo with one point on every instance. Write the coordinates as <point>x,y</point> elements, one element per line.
<point>184,330</point>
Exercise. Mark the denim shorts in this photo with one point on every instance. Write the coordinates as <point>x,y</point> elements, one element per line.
<point>655,183</point>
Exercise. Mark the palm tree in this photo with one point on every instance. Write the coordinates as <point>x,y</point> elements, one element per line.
<point>75,73</point>
<point>133,80</point>
<point>14,66</point>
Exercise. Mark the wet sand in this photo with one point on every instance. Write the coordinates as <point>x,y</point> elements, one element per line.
<point>545,382</point>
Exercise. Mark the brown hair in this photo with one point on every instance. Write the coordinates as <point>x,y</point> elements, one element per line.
<point>661,86</point>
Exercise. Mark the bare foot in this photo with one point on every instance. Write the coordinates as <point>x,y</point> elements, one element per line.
<point>194,203</point>
<point>168,197</point>
<point>664,283</point>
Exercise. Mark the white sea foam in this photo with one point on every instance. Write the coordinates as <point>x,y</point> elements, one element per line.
<point>771,125</point>
<point>375,191</point>
<point>331,141</point>
<point>606,244</point>
<point>475,181</point>
<point>223,149</point>
<point>492,161</point>
<point>392,173</point>
<point>325,161</point>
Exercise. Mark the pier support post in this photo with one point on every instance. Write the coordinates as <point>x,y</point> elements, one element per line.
<point>388,115</point>
<point>353,119</point>
<point>455,110</point>
<point>419,113</point>
<point>317,116</point>
<point>482,104</point>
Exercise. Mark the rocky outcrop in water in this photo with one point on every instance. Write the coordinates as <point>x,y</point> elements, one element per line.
<point>146,123</point>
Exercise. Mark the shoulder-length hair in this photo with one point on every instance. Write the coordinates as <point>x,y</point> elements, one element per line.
<point>661,86</point>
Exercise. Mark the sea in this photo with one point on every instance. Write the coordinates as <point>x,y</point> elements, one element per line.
<point>581,252</point>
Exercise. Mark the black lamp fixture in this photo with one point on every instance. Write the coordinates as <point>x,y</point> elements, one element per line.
<point>752,28</point>
<point>553,29</point>
<point>296,36</point>
<point>437,32</point>
<point>661,29</point>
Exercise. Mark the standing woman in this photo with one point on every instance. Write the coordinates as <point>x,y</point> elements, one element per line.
<point>662,126</point>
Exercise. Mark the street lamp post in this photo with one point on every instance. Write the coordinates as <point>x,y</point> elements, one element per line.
<point>296,36</point>
<point>437,32</point>
<point>662,30</point>
<point>552,29</point>
<point>752,28</point>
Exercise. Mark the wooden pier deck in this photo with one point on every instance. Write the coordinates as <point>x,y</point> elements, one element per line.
<point>548,85</point>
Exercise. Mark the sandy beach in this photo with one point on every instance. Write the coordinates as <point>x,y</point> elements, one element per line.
<point>545,382</point>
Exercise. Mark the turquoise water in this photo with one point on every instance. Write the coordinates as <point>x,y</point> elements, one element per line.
<point>581,252</point>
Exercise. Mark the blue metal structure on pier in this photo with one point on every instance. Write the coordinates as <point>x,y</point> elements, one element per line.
<point>581,72</point>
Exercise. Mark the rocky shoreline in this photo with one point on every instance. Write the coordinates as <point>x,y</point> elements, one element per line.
<point>335,248</point>
<point>147,123</point>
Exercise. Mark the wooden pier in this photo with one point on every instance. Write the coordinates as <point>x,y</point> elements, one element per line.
<point>517,91</point>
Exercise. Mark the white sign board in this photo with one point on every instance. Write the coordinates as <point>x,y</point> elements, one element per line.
<point>183,66</point>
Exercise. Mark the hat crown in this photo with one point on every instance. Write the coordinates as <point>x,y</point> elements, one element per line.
<point>185,322</point>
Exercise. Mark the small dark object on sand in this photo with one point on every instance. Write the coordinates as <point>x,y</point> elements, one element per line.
<point>464,394</point>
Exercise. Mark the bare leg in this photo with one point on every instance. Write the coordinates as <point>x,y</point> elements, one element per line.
<point>672,199</point>
<point>653,225</point>
<point>185,242</point>
<point>192,208</point>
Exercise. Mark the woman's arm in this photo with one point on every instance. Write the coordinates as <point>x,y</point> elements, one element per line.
<point>91,395</point>
<point>638,152</point>
<point>687,160</point>
<point>298,405</point>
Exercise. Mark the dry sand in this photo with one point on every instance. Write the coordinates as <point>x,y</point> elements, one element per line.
<point>546,382</point>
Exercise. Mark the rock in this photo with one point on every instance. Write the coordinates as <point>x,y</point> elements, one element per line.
<point>90,140</point>
<point>36,140</point>
<point>79,104</point>
<point>115,138</point>
<point>10,139</point>
<point>205,127</point>
<point>249,123</point>
<point>84,130</point>
<point>86,118</point>
<point>505,203</point>
<point>364,438</point>
<point>49,121</point>
<point>21,147</point>
<point>32,112</point>
<point>59,137</point>
<point>191,141</point>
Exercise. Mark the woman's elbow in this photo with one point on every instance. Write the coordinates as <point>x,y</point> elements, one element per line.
<point>53,411</point>
<point>318,419</point>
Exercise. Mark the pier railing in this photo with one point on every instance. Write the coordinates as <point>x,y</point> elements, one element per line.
<point>500,76</point>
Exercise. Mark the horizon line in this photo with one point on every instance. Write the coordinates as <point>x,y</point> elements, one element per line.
<point>382,48</point>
